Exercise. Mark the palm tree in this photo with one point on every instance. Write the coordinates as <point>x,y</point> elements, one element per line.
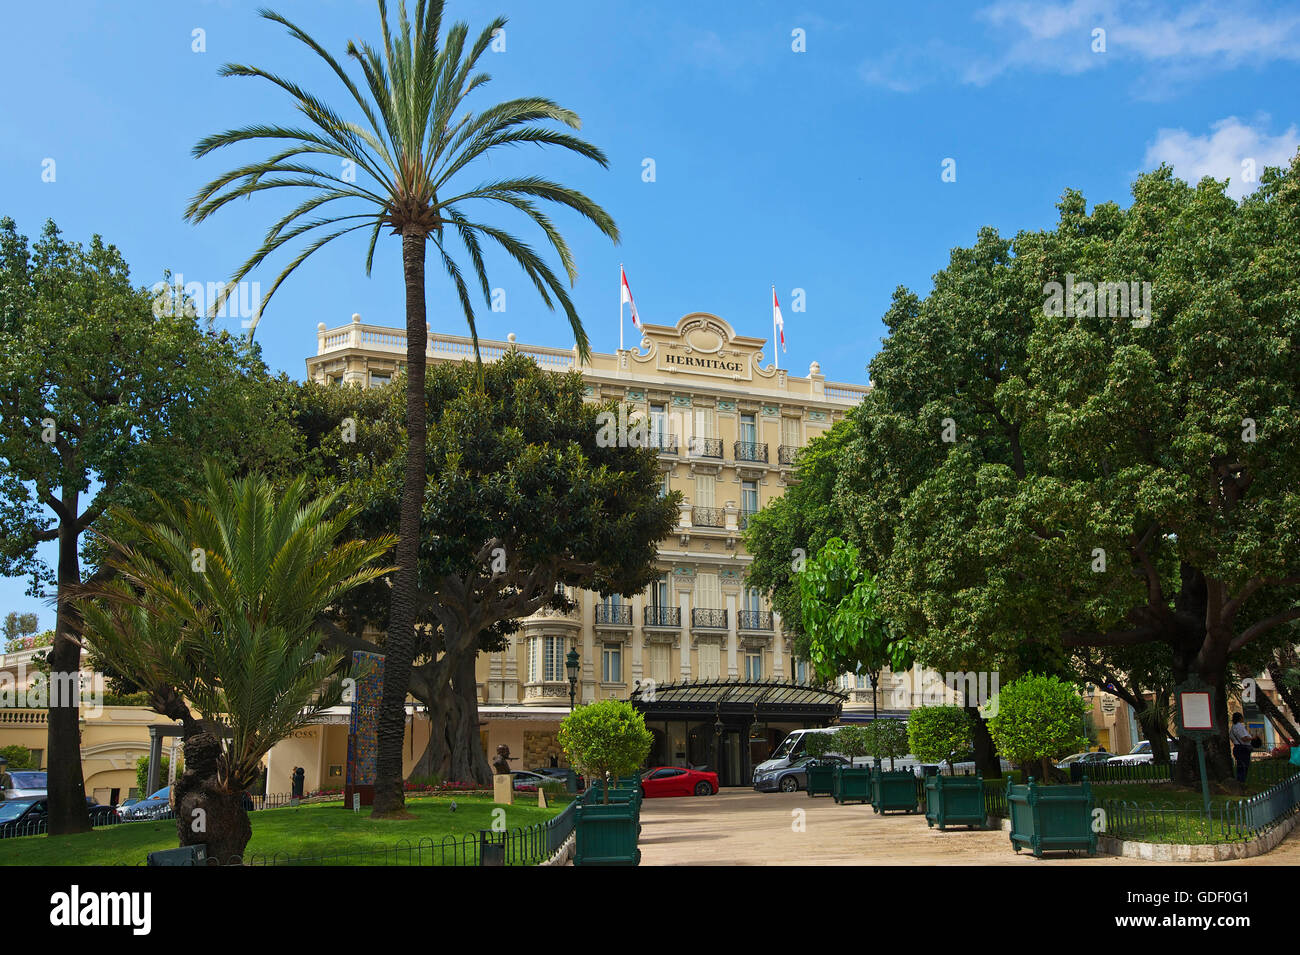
<point>215,608</point>
<point>404,167</point>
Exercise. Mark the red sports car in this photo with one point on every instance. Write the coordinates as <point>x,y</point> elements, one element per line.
<point>678,781</point>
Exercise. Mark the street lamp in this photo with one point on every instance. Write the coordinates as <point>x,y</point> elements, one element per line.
<point>571,665</point>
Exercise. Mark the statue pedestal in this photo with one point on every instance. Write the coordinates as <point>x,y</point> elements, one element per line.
<point>503,789</point>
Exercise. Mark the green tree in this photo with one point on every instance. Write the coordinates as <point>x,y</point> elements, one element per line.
<point>403,165</point>
<point>19,757</point>
<point>1028,478</point>
<point>164,771</point>
<point>215,608</point>
<point>606,738</point>
<point>102,402</point>
<point>527,498</point>
<point>842,618</point>
<point>849,740</point>
<point>18,625</point>
<point>936,733</point>
<point>1038,719</point>
<point>886,738</point>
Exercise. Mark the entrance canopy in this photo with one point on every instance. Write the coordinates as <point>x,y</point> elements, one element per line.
<point>769,700</point>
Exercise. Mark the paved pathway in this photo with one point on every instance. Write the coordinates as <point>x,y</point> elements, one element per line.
<point>742,827</point>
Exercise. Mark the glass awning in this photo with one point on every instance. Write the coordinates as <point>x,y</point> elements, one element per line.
<point>769,698</point>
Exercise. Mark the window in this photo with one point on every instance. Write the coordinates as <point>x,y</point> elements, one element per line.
<point>378,380</point>
<point>659,662</point>
<point>748,429</point>
<point>751,600</point>
<point>659,596</point>
<point>658,425</point>
<point>790,432</point>
<point>546,660</point>
<point>801,671</point>
<point>704,486</point>
<point>665,484</point>
<point>611,663</point>
<point>753,667</point>
<point>748,497</point>
<point>710,661</point>
<point>708,592</point>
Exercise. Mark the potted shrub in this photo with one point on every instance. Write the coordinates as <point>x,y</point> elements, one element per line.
<point>937,733</point>
<point>819,773</point>
<point>850,783</point>
<point>606,740</point>
<point>1037,720</point>
<point>890,791</point>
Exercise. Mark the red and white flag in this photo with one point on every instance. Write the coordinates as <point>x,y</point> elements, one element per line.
<point>625,295</point>
<point>777,322</point>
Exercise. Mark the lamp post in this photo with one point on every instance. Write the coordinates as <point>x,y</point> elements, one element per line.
<point>571,665</point>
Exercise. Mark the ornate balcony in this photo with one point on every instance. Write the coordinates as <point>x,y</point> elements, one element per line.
<point>664,443</point>
<point>706,447</point>
<point>662,616</point>
<point>788,454</point>
<point>754,619</point>
<point>614,615</point>
<point>708,516</point>
<point>709,619</point>
<point>749,451</point>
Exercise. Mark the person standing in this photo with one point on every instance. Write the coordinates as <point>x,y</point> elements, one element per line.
<point>6,781</point>
<point>1239,735</point>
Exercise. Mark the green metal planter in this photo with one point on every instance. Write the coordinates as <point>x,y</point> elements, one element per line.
<point>607,834</point>
<point>955,801</point>
<point>851,784</point>
<point>893,791</point>
<point>821,779</point>
<point>1051,818</point>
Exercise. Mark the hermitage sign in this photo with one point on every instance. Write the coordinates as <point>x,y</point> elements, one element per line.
<point>701,344</point>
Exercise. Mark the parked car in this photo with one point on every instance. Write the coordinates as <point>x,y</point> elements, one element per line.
<point>528,781</point>
<point>793,777</point>
<point>22,817</point>
<point>1141,753</point>
<point>1084,759</point>
<point>157,806</point>
<point>26,783</point>
<point>678,781</point>
<point>560,773</point>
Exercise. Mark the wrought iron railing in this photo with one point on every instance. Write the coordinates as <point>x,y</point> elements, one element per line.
<point>706,447</point>
<point>715,619</point>
<point>708,516</point>
<point>614,614</point>
<point>754,620</point>
<point>744,518</point>
<point>788,454</point>
<point>750,451</point>
<point>657,616</point>
<point>667,443</point>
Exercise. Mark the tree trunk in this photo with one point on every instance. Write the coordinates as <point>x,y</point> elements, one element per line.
<point>1157,733</point>
<point>454,751</point>
<point>65,786</point>
<point>399,647</point>
<point>987,763</point>
<point>207,812</point>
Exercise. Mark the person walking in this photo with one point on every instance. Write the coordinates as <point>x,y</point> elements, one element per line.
<point>1239,736</point>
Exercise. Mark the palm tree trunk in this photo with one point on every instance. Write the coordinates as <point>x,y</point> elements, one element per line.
<point>66,785</point>
<point>399,647</point>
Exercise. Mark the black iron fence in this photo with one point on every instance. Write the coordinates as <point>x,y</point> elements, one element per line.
<point>754,619</point>
<point>706,447</point>
<point>716,619</point>
<point>751,451</point>
<point>614,614</point>
<point>708,516</point>
<point>658,616</point>
<point>788,454</point>
<point>667,443</point>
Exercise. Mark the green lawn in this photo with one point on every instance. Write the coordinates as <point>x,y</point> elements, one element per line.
<point>321,830</point>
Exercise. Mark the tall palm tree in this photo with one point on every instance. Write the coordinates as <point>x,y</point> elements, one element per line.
<point>231,633</point>
<point>404,169</point>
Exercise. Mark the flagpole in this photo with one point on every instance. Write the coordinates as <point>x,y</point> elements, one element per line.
<point>620,306</point>
<point>776,351</point>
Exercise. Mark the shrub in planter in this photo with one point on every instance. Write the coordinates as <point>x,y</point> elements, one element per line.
<point>1039,719</point>
<point>935,733</point>
<point>608,737</point>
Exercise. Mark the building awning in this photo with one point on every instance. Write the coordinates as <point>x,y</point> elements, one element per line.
<point>766,699</point>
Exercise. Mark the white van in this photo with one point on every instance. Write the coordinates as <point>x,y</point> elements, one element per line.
<point>796,745</point>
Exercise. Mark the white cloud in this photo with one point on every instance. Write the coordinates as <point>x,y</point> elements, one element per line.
<point>1223,152</point>
<point>1161,40</point>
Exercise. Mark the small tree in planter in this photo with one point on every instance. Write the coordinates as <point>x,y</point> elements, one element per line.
<point>605,737</point>
<point>850,741</point>
<point>887,738</point>
<point>1038,719</point>
<point>936,733</point>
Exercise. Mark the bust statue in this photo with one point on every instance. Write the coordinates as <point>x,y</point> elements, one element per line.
<point>501,765</point>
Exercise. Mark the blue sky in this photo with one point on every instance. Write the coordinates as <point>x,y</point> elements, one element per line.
<point>817,169</point>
